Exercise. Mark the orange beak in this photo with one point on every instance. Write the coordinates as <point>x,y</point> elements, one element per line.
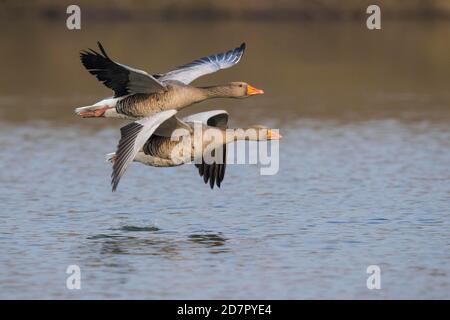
<point>252,90</point>
<point>273,135</point>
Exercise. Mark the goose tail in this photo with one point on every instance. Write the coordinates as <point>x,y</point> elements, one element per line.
<point>100,108</point>
<point>110,157</point>
<point>85,108</point>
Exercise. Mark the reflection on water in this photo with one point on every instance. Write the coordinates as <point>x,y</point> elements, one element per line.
<point>111,244</point>
<point>364,168</point>
<point>155,245</point>
<point>209,240</point>
<point>137,228</point>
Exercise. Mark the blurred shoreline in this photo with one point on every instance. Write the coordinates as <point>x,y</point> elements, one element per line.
<point>261,10</point>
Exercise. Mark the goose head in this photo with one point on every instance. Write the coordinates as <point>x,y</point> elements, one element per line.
<point>265,134</point>
<point>240,90</point>
<point>254,133</point>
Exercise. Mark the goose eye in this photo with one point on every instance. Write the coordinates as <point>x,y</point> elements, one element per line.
<point>240,85</point>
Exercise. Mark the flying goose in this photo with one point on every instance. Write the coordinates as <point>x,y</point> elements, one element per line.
<point>149,141</point>
<point>138,94</point>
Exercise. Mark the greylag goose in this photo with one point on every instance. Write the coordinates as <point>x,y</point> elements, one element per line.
<point>138,94</point>
<point>150,141</point>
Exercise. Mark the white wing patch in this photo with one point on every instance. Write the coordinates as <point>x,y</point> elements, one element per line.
<point>133,137</point>
<point>206,65</point>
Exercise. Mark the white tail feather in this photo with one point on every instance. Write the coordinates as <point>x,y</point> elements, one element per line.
<point>108,102</point>
<point>86,108</point>
<point>110,157</point>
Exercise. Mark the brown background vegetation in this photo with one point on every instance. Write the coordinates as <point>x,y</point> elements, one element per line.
<point>227,9</point>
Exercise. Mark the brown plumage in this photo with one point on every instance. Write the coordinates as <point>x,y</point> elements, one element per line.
<point>157,148</point>
<point>138,94</point>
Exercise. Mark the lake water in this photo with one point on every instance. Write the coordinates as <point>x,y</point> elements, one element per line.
<point>364,174</point>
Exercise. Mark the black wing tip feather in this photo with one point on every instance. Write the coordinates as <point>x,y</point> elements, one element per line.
<point>212,173</point>
<point>128,133</point>
<point>100,65</point>
<point>102,49</point>
<point>239,51</point>
<point>92,52</point>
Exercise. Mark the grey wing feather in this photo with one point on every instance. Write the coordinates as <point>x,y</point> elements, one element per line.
<point>123,80</point>
<point>167,128</point>
<point>214,118</point>
<point>215,172</point>
<point>133,137</point>
<point>206,65</point>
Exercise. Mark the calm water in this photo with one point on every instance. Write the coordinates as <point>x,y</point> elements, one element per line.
<point>364,168</point>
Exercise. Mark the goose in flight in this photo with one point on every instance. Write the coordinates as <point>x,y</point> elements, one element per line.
<point>150,141</point>
<point>138,94</point>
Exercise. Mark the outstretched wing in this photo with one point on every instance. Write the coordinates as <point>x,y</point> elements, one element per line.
<point>206,65</point>
<point>214,118</point>
<point>215,172</point>
<point>121,79</point>
<point>133,137</point>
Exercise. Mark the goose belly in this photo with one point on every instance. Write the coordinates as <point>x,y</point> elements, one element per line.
<point>145,105</point>
<point>171,151</point>
<point>154,161</point>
